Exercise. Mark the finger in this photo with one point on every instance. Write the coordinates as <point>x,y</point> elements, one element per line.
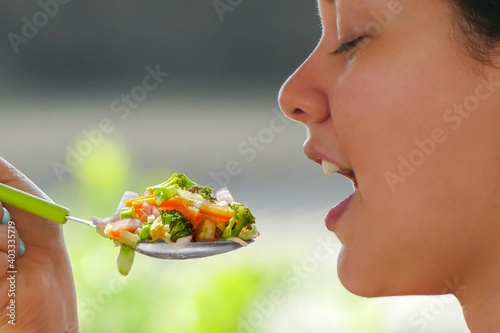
<point>4,215</point>
<point>32,228</point>
<point>4,263</point>
<point>9,239</point>
<point>6,220</point>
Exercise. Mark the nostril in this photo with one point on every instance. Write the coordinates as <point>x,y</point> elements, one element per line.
<point>298,112</point>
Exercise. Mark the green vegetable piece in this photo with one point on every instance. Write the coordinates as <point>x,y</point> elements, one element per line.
<point>125,259</point>
<point>126,213</point>
<point>249,233</point>
<point>178,223</point>
<point>207,193</point>
<point>145,232</point>
<point>168,189</point>
<point>242,218</point>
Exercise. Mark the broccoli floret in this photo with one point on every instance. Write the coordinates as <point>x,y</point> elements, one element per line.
<point>169,188</point>
<point>206,192</point>
<point>178,223</point>
<point>242,218</point>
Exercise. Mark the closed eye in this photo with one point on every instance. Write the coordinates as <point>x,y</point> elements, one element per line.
<point>346,47</point>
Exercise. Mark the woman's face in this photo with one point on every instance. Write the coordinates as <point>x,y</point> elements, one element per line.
<point>417,120</point>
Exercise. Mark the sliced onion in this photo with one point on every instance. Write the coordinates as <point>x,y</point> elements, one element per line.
<point>147,208</point>
<point>182,242</point>
<point>100,223</point>
<point>151,218</point>
<point>237,240</point>
<point>197,204</point>
<point>156,212</point>
<point>224,195</point>
<point>128,224</point>
<point>106,220</point>
<point>126,196</point>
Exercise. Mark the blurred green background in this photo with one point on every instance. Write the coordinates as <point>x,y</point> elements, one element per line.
<point>228,293</point>
<point>217,108</point>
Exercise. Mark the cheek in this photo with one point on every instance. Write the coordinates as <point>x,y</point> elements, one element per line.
<point>391,112</point>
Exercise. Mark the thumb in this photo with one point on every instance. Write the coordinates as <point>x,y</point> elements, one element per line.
<point>31,228</point>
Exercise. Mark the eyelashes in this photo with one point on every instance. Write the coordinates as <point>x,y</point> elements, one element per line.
<point>346,47</point>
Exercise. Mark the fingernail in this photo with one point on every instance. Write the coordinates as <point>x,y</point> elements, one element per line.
<point>6,216</point>
<point>21,248</point>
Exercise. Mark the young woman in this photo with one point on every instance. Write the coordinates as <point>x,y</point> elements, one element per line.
<point>403,97</point>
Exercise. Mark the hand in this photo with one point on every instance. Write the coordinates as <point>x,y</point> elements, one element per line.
<point>45,299</point>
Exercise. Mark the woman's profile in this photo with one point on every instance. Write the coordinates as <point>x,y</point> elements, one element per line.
<point>403,98</point>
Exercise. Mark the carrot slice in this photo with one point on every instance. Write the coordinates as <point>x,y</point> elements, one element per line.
<point>171,203</point>
<point>114,234</point>
<point>220,212</point>
<point>130,202</point>
<point>191,215</point>
<point>177,204</point>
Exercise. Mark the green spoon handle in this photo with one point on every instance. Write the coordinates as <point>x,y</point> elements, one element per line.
<point>32,204</point>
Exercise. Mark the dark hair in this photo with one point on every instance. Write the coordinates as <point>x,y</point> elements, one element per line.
<point>479,21</point>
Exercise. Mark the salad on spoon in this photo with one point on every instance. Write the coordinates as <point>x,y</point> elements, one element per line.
<point>179,218</point>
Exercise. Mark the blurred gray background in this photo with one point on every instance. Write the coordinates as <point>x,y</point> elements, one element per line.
<point>219,99</point>
<point>224,65</point>
<point>103,46</point>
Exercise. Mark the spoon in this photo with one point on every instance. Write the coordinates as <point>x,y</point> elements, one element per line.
<point>157,249</point>
<point>164,250</point>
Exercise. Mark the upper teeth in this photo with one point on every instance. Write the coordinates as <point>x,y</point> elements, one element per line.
<point>330,168</point>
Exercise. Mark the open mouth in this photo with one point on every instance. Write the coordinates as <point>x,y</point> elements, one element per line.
<point>336,213</point>
<point>352,176</point>
<point>330,168</point>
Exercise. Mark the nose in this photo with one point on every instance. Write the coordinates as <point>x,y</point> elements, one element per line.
<point>303,96</point>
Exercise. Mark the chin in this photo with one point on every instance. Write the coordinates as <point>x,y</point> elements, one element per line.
<point>359,280</point>
<point>377,280</point>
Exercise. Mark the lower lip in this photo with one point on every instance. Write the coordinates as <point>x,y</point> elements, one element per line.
<point>336,213</point>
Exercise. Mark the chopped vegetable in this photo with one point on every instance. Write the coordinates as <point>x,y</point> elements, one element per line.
<point>126,212</point>
<point>169,188</point>
<point>177,211</point>
<point>145,232</point>
<point>179,225</point>
<point>206,232</point>
<point>125,259</point>
<point>157,229</point>
<point>220,212</point>
<point>242,218</point>
<point>206,192</point>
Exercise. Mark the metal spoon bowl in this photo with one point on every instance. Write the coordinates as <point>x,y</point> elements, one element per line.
<point>163,250</point>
